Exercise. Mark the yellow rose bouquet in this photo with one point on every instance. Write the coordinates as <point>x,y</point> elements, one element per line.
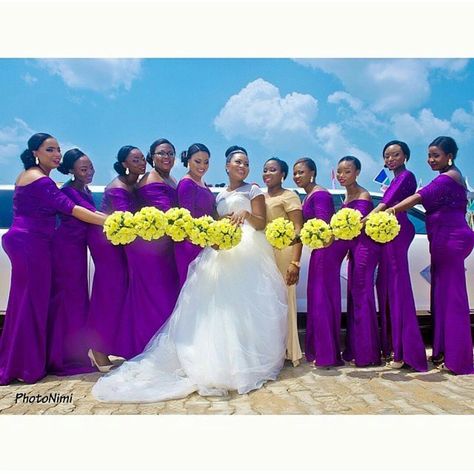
<point>199,231</point>
<point>382,227</point>
<point>224,234</point>
<point>280,232</point>
<point>346,224</point>
<point>119,228</point>
<point>150,223</point>
<point>316,234</point>
<point>178,222</point>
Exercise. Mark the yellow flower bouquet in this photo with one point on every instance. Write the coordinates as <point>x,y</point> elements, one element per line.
<point>149,223</point>
<point>280,232</point>
<point>382,227</point>
<point>119,228</point>
<point>346,224</point>
<point>224,234</point>
<point>316,234</point>
<point>177,223</point>
<point>199,231</point>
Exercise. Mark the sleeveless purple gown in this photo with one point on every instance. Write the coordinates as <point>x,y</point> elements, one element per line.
<point>323,317</point>
<point>451,241</point>
<point>400,331</point>
<point>200,202</point>
<point>69,304</point>
<point>110,282</point>
<point>28,244</point>
<point>153,278</point>
<point>362,335</point>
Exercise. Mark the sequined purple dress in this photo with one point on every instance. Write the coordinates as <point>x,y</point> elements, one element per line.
<point>28,244</point>
<point>451,241</point>
<point>153,278</point>
<point>323,319</point>
<point>67,337</point>
<point>400,331</point>
<point>362,336</point>
<point>199,201</point>
<point>109,287</point>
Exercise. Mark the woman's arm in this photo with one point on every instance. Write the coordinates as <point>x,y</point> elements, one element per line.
<point>407,203</point>
<point>90,217</point>
<point>293,271</point>
<point>256,218</point>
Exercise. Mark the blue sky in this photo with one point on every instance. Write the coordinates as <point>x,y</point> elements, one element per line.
<point>322,108</point>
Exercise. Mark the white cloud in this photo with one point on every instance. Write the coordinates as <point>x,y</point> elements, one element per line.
<point>332,140</point>
<point>29,79</point>
<point>99,75</point>
<point>343,97</point>
<point>259,112</point>
<point>388,85</point>
<point>13,140</point>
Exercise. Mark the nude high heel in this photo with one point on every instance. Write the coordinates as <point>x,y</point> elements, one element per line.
<point>100,368</point>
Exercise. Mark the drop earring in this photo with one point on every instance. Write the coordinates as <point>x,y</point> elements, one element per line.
<point>450,162</point>
<point>73,178</point>
<point>37,161</point>
<point>312,179</point>
<point>127,171</point>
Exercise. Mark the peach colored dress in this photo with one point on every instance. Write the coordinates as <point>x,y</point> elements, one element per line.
<point>280,206</point>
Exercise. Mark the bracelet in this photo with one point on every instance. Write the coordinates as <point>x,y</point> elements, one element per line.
<point>295,263</point>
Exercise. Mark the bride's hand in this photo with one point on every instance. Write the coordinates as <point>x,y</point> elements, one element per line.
<point>238,218</point>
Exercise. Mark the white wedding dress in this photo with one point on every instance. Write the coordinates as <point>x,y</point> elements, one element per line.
<point>228,329</point>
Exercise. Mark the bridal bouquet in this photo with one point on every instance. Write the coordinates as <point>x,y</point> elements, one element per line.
<point>346,224</point>
<point>280,232</point>
<point>199,231</point>
<point>178,222</point>
<point>382,227</point>
<point>316,234</point>
<point>149,223</point>
<point>119,228</point>
<point>224,234</point>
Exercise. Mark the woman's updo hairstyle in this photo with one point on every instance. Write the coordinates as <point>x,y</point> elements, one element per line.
<point>282,164</point>
<point>194,148</point>
<point>309,163</point>
<point>122,155</point>
<point>232,150</point>
<point>69,158</point>
<point>160,141</point>
<point>401,144</point>
<point>447,144</point>
<point>352,159</point>
<point>34,142</point>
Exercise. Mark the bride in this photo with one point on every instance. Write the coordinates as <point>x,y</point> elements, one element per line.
<point>229,326</point>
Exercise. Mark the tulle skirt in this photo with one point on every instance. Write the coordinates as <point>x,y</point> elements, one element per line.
<point>227,332</point>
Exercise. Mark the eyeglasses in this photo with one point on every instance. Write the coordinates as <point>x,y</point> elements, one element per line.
<point>162,154</point>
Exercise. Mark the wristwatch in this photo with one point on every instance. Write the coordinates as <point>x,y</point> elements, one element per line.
<point>296,264</point>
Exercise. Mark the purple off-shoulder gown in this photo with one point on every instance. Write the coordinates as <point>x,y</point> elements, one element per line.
<point>362,335</point>
<point>323,319</point>
<point>400,331</point>
<point>109,287</point>
<point>69,304</point>
<point>451,241</point>
<point>28,244</point>
<point>154,285</point>
<point>200,202</point>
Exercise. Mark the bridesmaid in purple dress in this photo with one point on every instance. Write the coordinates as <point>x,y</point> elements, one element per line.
<point>362,336</point>
<point>401,334</point>
<point>451,241</point>
<point>153,278</point>
<point>28,244</point>
<point>323,317</point>
<point>194,195</point>
<point>69,304</point>
<point>107,331</point>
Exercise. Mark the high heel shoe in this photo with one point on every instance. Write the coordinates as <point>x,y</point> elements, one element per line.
<point>100,368</point>
<point>396,364</point>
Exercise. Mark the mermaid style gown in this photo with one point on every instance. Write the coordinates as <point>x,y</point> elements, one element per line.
<point>68,308</point>
<point>227,332</point>
<point>323,319</point>
<point>28,244</point>
<point>153,278</point>
<point>400,331</point>
<point>200,202</point>
<point>451,242</point>
<point>110,283</point>
<point>362,336</point>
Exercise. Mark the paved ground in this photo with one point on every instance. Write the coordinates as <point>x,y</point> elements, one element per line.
<point>300,390</point>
